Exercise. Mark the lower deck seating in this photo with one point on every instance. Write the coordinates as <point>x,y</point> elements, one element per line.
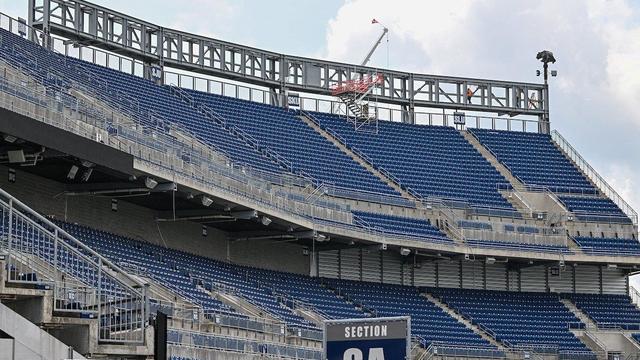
<point>522,319</point>
<point>609,310</point>
<point>307,291</point>
<point>186,274</point>
<point>427,320</point>
<point>192,276</point>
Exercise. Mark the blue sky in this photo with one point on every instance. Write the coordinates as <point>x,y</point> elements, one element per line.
<point>597,44</point>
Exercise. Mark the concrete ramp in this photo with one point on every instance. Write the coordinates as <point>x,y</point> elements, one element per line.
<point>23,340</point>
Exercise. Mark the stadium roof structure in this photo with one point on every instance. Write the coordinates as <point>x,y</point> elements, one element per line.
<point>91,25</point>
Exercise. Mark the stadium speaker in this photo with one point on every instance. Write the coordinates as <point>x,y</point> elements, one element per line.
<point>265,221</point>
<point>12,175</point>
<point>114,204</point>
<point>160,337</point>
<point>72,172</point>
<point>150,183</point>
<point>405,251</point>
<point>206,201</point>
<point>204,230</point>
<point>86,175</point>
<point>16,156</point>
<point>383,246</point>
<point>491,260</point>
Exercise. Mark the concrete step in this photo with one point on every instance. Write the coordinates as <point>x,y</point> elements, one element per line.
<point>463,321</point>
<point>491,159</point>
<point>241,305</point>
<point>578,313</point>
<point>310,315</point>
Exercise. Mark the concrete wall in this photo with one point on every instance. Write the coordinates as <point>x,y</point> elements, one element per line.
<point>139,223</point>
<point>29,342</point>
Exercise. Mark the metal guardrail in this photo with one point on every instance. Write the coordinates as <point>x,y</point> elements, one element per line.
<point>93,122</point>
<point>83,281</point>
<point>191,341</point>
<point>594,176</point>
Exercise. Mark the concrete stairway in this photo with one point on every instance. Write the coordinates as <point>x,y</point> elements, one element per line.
<point>492,159</point>
<point>356,157</point>
<point>578,313</point>
<point>239,304</point>
<point>585,336</point>
<point>464,321</point>
<point>517,203</point>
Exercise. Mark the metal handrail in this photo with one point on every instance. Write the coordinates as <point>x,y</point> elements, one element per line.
<point>107,288</point>
<point>595,177</point>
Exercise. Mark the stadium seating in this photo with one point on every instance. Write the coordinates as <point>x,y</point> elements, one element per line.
<point>519,318</point>
<point>434,161</point>
<point>186,274</point>
<point>534,158</point>
<point>594,209</point>
<point>307,291</point>
<point>609,245</point>
<point>133,93</point>
<point>273,127</point>
<point>417,228</point>
<point>609,310</point>
<point>427,320</point>
<point>283,132</point>
<point>636,337</point>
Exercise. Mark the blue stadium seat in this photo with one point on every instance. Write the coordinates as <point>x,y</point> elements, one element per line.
<point>520,318</point>
<point>534,158</point>
<point>609,245</point>
<point>434,161</point>
<point>613,311</point>
<point>427,320</point>
<point>389,224</point>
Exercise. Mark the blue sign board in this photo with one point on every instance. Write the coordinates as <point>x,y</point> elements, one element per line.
<point>368,339</point>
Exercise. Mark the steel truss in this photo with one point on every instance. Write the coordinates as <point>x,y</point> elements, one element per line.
<point>97,26</point>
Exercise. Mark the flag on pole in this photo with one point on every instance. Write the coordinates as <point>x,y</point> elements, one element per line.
<point>374,21</point>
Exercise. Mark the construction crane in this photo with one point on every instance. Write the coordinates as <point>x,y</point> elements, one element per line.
<point>354,92</point>
<point>385,31</point>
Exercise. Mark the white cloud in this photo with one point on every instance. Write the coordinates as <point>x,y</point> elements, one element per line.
<point>594,100</point>
<point>622,178</point>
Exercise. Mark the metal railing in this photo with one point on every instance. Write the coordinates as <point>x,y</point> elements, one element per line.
<point>37,251</point>
<point>92,121</point>
<point>463,351</point>
<point>204,341</point>
<point>594,176</point>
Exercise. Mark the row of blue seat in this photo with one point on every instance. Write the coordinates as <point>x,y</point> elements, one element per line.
<point>432,160</point>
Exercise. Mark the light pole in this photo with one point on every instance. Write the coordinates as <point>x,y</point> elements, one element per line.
<point>546,57</point>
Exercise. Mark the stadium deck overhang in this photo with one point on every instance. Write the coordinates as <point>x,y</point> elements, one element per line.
<point>118,175</point>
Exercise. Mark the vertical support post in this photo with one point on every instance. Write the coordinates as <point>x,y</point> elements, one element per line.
<point>55,257</point>
<point>10,239</point>
<point>99,300</point>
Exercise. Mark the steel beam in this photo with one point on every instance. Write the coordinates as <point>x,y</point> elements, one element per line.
<point>123,34</point>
